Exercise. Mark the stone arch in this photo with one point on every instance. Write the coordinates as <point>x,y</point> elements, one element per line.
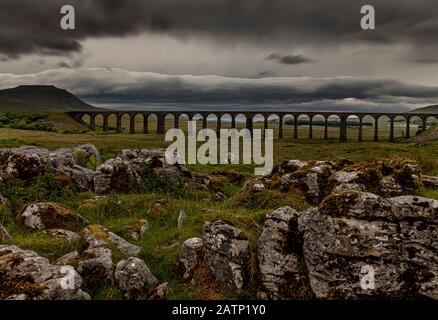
<point>288,125</point>
<point>400,127</point>
<point>169,121</point>
<point>258,121</point>
<point>98,121</point>
<point>416,125</point>
<point>318,125</point>
<point>152,122</point>
<point>212,121</point>
<point>333,126</point>
<point>303,121</point>
<point>384,127</point>
<point>273,122</point>
<point>226,121</point>
<point>240,120</point>
<point>354,127</point>
<point>431,121</point>
<point>86,118</point>
<point>367,124</point>
<point>111,121</point>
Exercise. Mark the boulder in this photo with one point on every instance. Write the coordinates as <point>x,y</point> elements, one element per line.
<point>24,275</point>
<point>87,151</point>
<point>358,245</point>
<point>28,162</point>
<point>112,239</point>
<point>385,177</point>
<point>170,177</point>
<point>4,202</point>
<point>228,254</point>
<point>430,182</point>
<point>190,257</point>
<point>4,234</point>
<point>347,181</point>
<point>317,180</point>
<point>115,175</point>
<point>157,206</point>
<point>219,196</point>
<point>47,215</point>
<point>62,234</point>
<point>258,187</point>
<point>93,260</point>
<point>134,279</point>
<point>138,231</point>
<point>181,218</point>
<point>159,293</point>
<point>279,257</point>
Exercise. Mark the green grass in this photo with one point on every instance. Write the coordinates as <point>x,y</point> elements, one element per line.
<point>163,241</point>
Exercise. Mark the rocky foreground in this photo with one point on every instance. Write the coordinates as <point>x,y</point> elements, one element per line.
<point>365,236</point>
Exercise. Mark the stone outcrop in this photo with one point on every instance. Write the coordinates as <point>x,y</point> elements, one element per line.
<point>93,260</point>
<point>47,215</point>
<point>279,257</point>
<point>24,275</point>
<point>227,252</point>
<point>359,245</point>
<point>430,182</point>
<point>190,257</point>
<point>134,279</point>
<point>318,179</point>
<point>115,175</point>
<point>112,239</point>
<point>4,234</point>
<point>4,202</point>
<point>29,162</point>
<point>62,234</point>
<point>137,232</point>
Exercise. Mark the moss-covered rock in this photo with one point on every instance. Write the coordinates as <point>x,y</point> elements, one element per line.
<point>48,215</point>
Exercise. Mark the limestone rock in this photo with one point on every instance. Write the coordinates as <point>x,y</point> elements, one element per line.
<point>227,252</point>
<point>159,293</point>
<point>181,218</point>
<point>219,196</point>
<point>62,234</point>
<point>135,279</point>
<point>359,245</point>
<point>190,257</point>
<point>87,151</point>
<point>138,231</point>
<point>279,253</point>
<point>317,180</point>
<point>258,187</point>
<point>47,215</point>
<point>93,260</point>
<point>168,176</point>
<point>26,276</point>
<point>115,175</point>
<point>430,182</point>
<point>4,234</point>
<point>28,162</point>
<point>4,203</point>
<point>110,238</point>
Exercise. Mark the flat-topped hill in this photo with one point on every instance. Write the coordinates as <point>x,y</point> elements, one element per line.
<point>40,98</point>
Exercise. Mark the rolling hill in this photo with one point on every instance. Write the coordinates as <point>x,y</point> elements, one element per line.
<point>428,109</point>
<point>37,98</point>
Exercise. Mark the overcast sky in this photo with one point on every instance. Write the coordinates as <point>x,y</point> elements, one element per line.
<point>308,54</point>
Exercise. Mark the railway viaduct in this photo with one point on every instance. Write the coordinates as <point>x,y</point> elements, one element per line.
<point>342,116</point>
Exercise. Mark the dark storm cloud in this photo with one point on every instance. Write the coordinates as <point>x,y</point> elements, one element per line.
<point>290,59</point>
<point>33,26</point>
<point>124,87</point>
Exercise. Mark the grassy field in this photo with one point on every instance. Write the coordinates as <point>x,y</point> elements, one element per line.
<point>163,240</point>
